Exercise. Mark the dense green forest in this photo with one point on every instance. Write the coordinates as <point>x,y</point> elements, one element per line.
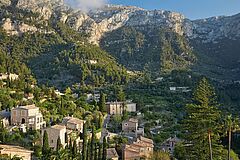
<point>156,48</point>
<point>59,60</point>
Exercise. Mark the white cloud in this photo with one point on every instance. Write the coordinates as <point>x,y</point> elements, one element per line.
<point>86,5</point>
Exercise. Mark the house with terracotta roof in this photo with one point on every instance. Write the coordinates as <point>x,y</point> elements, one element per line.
<point>29,116</point>
<point>17,151</point>
<point>141,148</point>
<point>112,154</point>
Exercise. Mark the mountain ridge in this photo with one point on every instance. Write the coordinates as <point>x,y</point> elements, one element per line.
<point>207,38</point>
<point>100,21</point>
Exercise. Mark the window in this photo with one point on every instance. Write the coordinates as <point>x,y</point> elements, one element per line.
<point>125,124</point>
<point>52,141</point>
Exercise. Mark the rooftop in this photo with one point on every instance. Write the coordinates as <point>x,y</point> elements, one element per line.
<point>58,127</point>
<point>133,120</point>
<point>33,106</point>
<point>73,120</point>
<point>146,140</point>
<point>11,148</point>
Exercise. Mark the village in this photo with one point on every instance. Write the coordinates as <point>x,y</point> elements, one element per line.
<point>137,145</point>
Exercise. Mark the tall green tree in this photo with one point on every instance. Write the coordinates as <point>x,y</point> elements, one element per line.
<point>100,152</point>
<point>104,151</point>
<point>96,151</point>
<point>202,124</point>
<point>45,147</point>
<point>89,151</point>
<point>121,95</point>
<point>93,141</point>
<point>74,149</point>
<point>85,142</point>
<point>102,102</point>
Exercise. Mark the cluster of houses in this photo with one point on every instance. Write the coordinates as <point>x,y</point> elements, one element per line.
<point>30,117</point>
<point>138,147</point>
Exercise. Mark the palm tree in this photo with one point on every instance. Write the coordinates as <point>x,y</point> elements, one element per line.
<point>231,125</point>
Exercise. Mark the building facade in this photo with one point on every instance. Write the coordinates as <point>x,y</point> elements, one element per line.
<point>53,133</point>
<point>118,108</point>
<point>142,148</point>
<point>73,123</point>
<point>29,116</point>
<point>130,125</point>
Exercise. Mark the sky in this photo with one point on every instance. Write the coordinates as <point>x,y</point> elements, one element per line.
<point>193,9</point>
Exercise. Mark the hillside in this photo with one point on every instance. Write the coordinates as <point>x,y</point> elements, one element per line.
<point>158,49</point>
<point>55,54</point>
<point>161,41</point>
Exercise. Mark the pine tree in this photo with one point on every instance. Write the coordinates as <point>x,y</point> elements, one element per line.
<point>202,123</point>
<point>104,155</point>
<point>102,103</point>
<point>59,144</point>
<point>45,147</point>
<point>84,150</point>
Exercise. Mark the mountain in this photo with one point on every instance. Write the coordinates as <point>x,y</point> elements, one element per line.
<point>159,40</point>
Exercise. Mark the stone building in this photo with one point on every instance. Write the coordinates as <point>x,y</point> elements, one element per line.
<point>118,108</point>
<point>73,123</point>
<point>16,151</point>
<point>29,116</point>
<point>142,148</point>
<point>130,125</point>
<point>130,128</point>
<point>169,144</point>
<point>53,133</point>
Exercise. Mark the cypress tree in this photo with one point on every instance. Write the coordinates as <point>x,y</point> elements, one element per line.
<point>59,144</point>
<point>70,144</point>
<point>102,103</point>
<point>96,152</point>
<point>100,147</point>
<point>104,155</point>
<point>45,147</point>
<point>202,124</point>
<point>92,143</point>
<point>84,150</point>
<point>89,151</point>
<point>74,149</point>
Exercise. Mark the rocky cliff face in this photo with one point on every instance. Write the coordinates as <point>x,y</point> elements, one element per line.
<point>98,22</point>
